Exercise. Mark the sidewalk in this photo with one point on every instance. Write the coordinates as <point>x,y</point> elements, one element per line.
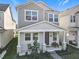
<point>2,55</point>
<point>55,55</point>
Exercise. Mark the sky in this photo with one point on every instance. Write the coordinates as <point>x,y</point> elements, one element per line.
<point>59,5</point>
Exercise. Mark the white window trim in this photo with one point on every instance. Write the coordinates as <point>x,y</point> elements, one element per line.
<point>48,17</point>
<point>31,14</point>
<point>71,18</point>
<point>25,36</point>
<point>53,18</point>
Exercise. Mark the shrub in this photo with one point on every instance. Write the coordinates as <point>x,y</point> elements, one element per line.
<point>54,44</point>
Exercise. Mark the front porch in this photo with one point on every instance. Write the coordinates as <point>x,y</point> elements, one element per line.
<point>47,34</point>
<point>52,43</point>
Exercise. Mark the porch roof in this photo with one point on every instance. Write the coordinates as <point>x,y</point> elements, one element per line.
<point>43,26</point>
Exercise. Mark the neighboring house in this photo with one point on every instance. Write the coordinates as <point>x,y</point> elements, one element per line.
<point>36,20</point>
<point>7,25</point>
<point>69,20</point>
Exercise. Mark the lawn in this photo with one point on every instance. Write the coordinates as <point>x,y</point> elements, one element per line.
<point>70,53</point>
<point>11,52</point>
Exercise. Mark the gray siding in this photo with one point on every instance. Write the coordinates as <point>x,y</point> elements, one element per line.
<point>21,20</point>
<point>42,14</point>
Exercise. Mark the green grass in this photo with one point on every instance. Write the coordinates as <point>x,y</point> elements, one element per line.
<point>11,52</point>
<point>70,53</point>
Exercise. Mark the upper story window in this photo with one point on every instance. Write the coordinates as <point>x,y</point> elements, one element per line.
<point>53,18</point>
<point>31,15</point>
<point>72,20</point>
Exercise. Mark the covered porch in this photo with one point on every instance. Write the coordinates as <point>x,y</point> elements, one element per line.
<point>47,34</point>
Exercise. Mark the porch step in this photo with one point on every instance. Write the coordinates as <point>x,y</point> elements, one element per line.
<point>51,49</point>
<point>55,55</point>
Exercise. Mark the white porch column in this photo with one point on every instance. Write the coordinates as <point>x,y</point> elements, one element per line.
<point>21,48</point>
<point>43,37</point>
<point>32,39</point>
<point>78,38</point>
<point>64,41</point>
<point>58,37</point>
<point>18,46</point>
<point>44,45</point>
<point>18,38</point>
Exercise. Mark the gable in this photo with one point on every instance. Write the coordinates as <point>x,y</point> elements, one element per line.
<point>39,4</point>
<point>30,5</point>
<point>40,27</point>
<point>43,5</point>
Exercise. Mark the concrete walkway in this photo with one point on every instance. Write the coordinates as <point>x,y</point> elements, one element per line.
<point>55,55</point>
<point>2,55</point>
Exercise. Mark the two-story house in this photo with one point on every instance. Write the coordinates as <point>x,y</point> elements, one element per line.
<point>69,20</point>
<point>36,20</point>
<point>7,25</point>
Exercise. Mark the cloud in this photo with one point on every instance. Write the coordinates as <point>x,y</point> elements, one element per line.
<point>14,2</point>
<point>60,2</point>
<point>63,2</point>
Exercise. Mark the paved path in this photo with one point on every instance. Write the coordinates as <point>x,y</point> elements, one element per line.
<point>2,55</point>
<point>55,55</point>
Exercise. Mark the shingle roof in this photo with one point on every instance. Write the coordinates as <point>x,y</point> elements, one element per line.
<point>3,7</point>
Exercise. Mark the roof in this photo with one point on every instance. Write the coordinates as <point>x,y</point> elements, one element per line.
<point>43,5</point>
<point>43,26</point>
<point>3,7</point>
<point>74,10</point>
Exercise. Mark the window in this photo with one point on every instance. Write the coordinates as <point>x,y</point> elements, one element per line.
<point>28,15</point>
<point>53,18</point>
<point>34,15</point>
<point>35,36</point>
<point>31,15</point>
<point>72,19</point>
<point>27,36</point>
<point>50,17</point>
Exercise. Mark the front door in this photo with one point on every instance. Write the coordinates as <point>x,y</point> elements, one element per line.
<point>47,38</point>
<point>52,37</point>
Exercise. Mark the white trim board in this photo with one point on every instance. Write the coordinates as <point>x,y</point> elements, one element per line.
<point>41,31</point>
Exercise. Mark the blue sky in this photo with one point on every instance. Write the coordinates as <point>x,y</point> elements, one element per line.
<point>59,5</point>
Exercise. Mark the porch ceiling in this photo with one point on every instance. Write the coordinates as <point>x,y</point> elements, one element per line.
<point>43,26</point>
